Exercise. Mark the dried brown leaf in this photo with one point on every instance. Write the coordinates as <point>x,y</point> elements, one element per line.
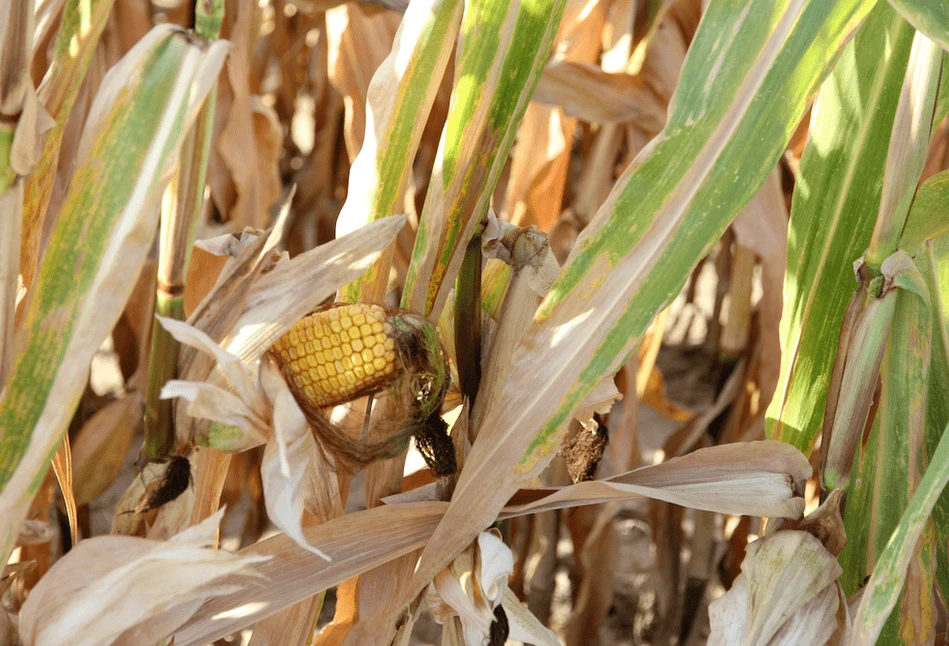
<point>244,178</point>
<point>108,585</point>
<point>590,94</point>
<point>358,39</point>
<point>541,157</point>
<point>763,227</point>
<point>597,556</point>
<point>34,532</point>
<point>63,468</point>
<point>101,445</point>
<point>824,523</point>
<point>751,478</point>
<point>755,478</point>
<point>355,542</point>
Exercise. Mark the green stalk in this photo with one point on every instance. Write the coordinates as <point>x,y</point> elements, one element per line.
<point>883,590</point>
<point>854,378</point>
<point>208,16</point>
<point>468,320</point>
<point>179,226</point>
<point>7,176</point>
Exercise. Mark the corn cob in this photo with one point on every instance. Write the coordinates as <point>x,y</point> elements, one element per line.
<point>333,355</point>
<point>340,352</point>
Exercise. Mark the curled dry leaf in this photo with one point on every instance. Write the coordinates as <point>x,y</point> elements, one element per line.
<point>755,478</point>
<point>108,585</point>
<point>474,586</point>
<point>288,460</point>
<point>522,248</point>
<point>824,523</point>
<point>749,479</point>
<point>256,409</point>
<point>599,402</point>
<point>525,627</point>
<point>787,594</point>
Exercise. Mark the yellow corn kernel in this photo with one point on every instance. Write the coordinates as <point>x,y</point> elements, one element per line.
<point>333,354</point>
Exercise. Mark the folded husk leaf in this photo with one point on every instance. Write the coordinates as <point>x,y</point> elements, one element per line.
<point>108,585</point>
<point>787,594</point>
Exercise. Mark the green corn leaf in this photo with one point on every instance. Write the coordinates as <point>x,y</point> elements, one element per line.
<point>858,555</point>
<point>933,261</point>
<point>765,61</point>
<point>833,215</point>
<point>942,98</point>
<point>7,175</point>
<point>863,336</point>
<point>909,145</point>
<point>502,50</point>
<point>399,100</point>
<point>894,461</point>
<point>82,25</point>
<point>882,591</point>
<point>931,17</point>
<point>929,216</point>
<point>129,146</point>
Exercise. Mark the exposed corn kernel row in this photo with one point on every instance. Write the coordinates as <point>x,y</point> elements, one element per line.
<point>332,354</point>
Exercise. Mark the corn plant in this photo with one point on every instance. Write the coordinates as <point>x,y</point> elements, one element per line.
<point>390,291</point>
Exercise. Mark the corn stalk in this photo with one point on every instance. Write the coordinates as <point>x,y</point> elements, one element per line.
<point>181,215</point>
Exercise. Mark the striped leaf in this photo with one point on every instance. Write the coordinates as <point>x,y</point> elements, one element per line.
<point>893,460</point>
<point>399,100</point>
<point>109,217</point>
<point>832,216</point>
<point>883,590</point>
<point>502,50</point>
<point>927,219</point>
<point>749,75</point>
<point>933,262</point>
<point>79,32</point>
